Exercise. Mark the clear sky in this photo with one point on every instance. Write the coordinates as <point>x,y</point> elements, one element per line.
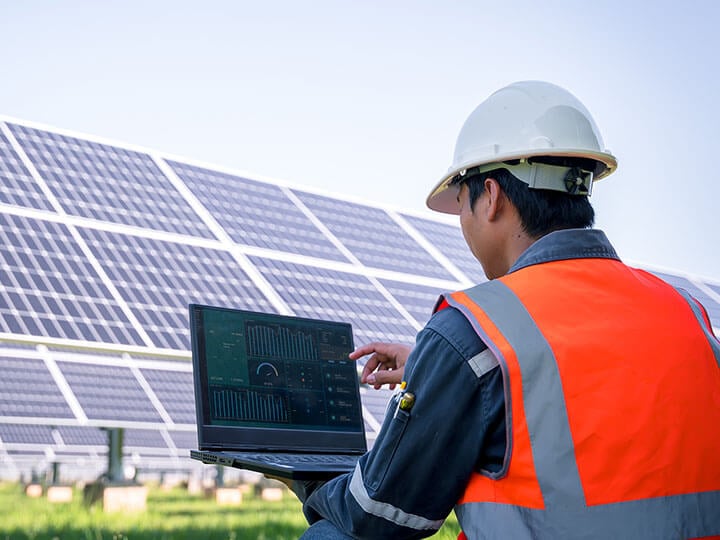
<point>365,98</point>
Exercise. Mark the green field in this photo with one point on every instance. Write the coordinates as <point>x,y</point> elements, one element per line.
<point>170,515</point>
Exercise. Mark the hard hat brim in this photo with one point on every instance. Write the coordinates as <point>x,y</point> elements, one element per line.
<point>443,197</point>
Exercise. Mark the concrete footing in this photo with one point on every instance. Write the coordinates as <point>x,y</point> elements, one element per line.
<point>117,497</point>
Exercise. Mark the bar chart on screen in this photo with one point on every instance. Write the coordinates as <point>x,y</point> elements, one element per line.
<point>279,342</point>
<point>248,405</point>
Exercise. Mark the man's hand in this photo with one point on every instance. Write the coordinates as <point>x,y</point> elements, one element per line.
<point>301,489</point>
<point>385,366</point>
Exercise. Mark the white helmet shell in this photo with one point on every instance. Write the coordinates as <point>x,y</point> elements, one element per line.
<point>528,119</point>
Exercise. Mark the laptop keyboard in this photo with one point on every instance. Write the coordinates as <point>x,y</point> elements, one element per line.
<point>290,459</point>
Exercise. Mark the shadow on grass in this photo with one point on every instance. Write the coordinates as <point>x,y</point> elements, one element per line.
<point>277,531</point>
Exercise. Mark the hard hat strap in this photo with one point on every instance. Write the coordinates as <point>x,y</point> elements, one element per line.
<point>572,180</point>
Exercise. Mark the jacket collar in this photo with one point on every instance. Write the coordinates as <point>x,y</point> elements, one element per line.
<point>567,244</point>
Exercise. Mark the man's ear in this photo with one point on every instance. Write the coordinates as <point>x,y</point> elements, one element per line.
<point>495,200</point>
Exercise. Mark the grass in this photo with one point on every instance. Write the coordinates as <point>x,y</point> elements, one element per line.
<point>170,515</point>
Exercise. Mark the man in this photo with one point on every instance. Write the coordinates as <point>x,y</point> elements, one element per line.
<point>568,397</point>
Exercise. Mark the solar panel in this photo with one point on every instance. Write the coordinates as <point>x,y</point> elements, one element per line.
<point>158,279</point>
<point>26,434</point>
<point>372,236</point>
<point>174,389</point>
<point>417,299</point>
<point>28,389</point>
<point>450,242</point>
<point>330,294</point>
<point>82,436</point>
<point>146,438</point>
<point>256,213</point>
<point>108,183</point>
<point>17,186</point>
<point>109,392</point>
<point>184,439</point>
<point>49,289</point>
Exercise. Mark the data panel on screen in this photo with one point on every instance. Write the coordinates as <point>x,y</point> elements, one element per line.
<point>256,213</point>
<point>258,370</point>
<point>158,279</point>
<point>50,289</point>
<point>108,183</point>
<point>373,237</point>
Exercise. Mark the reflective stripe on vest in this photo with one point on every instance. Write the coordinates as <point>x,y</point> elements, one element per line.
<point>553,485</point>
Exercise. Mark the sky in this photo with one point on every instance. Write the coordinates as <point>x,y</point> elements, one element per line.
<point>365,99</point>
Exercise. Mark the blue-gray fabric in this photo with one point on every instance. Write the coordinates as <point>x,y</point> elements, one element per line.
<point>700,316</point>
<point>408,483</point>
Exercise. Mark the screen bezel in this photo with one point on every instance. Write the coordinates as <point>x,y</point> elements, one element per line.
<point>262,438</point>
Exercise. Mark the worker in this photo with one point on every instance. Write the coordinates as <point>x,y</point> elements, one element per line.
<point>570,396</point>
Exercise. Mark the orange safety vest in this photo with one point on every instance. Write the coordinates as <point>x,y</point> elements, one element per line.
<point>612,389</point>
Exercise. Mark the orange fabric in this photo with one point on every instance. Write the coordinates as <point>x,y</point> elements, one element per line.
<point>641,386</point>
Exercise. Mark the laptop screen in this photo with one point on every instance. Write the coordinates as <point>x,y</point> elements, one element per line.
<point>273,380</point>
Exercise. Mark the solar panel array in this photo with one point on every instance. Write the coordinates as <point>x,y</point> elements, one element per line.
<point>103,246</point>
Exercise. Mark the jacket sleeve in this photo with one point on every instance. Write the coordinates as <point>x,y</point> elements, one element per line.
<point>408,483</point>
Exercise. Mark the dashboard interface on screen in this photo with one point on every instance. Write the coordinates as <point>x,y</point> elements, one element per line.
<point>266,370</point>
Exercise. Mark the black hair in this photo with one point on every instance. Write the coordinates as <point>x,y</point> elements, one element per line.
<point>541,211</point>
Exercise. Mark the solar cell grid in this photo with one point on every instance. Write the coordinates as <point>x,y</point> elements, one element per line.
<point>372,236</point>
<point>158,279</point>
<point>418,300</point>
<point>108,392</point>
<point>28,389</point>
<point>104,182</point>
<point>143,438</point>
<point>450,242</point>
<point>17,186</point>
<point>175,391</point>
<point>82,436</point>
<point>256,213</point>
<point>49,289</point>
<point>328,294</point>
<point>26,434</point>
<point>184,439</point>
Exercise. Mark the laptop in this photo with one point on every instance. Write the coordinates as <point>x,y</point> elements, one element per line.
<point>275,394</point>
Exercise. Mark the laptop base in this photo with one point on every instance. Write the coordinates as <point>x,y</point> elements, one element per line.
<point>303,467</point>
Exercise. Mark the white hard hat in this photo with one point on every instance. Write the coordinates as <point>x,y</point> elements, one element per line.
<point>535,130</point>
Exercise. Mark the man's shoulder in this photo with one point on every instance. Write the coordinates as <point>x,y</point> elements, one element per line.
<point>452,326</point>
